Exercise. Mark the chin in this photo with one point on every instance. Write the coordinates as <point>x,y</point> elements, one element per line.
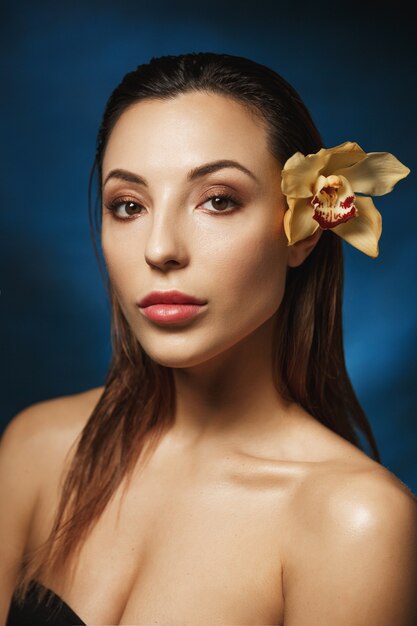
<point>177,359</point>
<point>184,352</point>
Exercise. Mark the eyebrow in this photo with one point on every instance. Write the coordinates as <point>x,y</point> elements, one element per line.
<point>194,174</point>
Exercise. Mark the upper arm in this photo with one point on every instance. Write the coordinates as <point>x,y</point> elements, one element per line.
<point>359,560</point>
<point>18,494</point>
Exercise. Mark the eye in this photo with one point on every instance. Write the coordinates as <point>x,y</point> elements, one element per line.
<point>124,208</point>
<point>219,201</point>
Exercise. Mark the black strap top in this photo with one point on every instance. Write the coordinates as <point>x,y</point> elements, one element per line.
<point>55,613</point>
<point>52,611</point>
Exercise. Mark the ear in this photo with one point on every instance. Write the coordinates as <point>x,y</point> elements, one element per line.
<point>298,252</point>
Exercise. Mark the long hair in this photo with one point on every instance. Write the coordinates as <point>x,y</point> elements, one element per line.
<point>138,400</point>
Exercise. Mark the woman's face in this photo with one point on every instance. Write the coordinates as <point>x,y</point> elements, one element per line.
<point>170,230</point>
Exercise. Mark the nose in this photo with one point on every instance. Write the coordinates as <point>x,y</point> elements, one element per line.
<point>166,244</point>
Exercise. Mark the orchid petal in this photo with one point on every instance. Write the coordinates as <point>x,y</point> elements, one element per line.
<point>300,172</point>
<point>343,156</point>
<point>298,220</point>
<point>363,231</point>
<point>376,174</point>
<point>346,146</point>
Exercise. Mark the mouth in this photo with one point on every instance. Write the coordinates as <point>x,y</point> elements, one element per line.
<point>171,313</point>
<point>170,307</point>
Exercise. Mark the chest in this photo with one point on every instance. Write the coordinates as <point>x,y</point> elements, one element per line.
<point>181,551</point>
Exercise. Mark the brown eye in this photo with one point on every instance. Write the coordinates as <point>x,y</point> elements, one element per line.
<point>131,207</point>
<point>124,209</point>
<point>222,203</point>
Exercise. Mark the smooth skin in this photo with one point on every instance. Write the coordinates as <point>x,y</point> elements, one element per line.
<point>250,511</point>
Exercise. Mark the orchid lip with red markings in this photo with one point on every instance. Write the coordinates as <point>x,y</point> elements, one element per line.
<point>330,217</point>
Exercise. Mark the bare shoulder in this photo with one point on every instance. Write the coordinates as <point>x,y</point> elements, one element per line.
<point>354,491</point>
<point>338,468</point>
<point>60,411</point>
<point>48,427</point>
<point>36,445</point>
<point>33,448</point>
<point>353,526</point>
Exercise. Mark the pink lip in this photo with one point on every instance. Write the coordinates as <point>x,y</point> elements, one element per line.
<point>168,297</point>
<point>168,307</point>
<point>171,313</point>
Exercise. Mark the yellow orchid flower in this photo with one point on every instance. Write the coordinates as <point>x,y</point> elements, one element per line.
<point>321,192</point>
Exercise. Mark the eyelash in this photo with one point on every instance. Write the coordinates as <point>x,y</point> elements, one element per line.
<point>118,202</point>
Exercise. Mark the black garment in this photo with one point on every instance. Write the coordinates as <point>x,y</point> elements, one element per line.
<point>52,611</point>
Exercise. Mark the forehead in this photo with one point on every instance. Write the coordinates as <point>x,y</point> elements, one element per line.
<point>184,131</point>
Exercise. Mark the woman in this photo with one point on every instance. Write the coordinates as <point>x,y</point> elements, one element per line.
<point>217,477</point>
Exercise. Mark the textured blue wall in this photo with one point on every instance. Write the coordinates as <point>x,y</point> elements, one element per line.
<point>60,60</point>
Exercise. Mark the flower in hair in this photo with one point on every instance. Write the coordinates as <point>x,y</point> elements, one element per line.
<point>321,193</point>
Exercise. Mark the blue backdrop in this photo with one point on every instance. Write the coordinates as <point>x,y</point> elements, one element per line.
<point>354,68</point>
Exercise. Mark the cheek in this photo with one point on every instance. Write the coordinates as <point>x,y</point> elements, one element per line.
<point>119,268</point>
<point>121,257</point>
<point>252,271</point>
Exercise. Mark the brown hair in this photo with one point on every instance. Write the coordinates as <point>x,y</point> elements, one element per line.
<point>138,401</point>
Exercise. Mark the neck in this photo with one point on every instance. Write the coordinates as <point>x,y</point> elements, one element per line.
<point>232,396</point>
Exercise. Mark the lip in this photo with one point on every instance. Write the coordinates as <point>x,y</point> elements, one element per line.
<point>170,307</point>
<point>168,297</point>
<point>171,313</point>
